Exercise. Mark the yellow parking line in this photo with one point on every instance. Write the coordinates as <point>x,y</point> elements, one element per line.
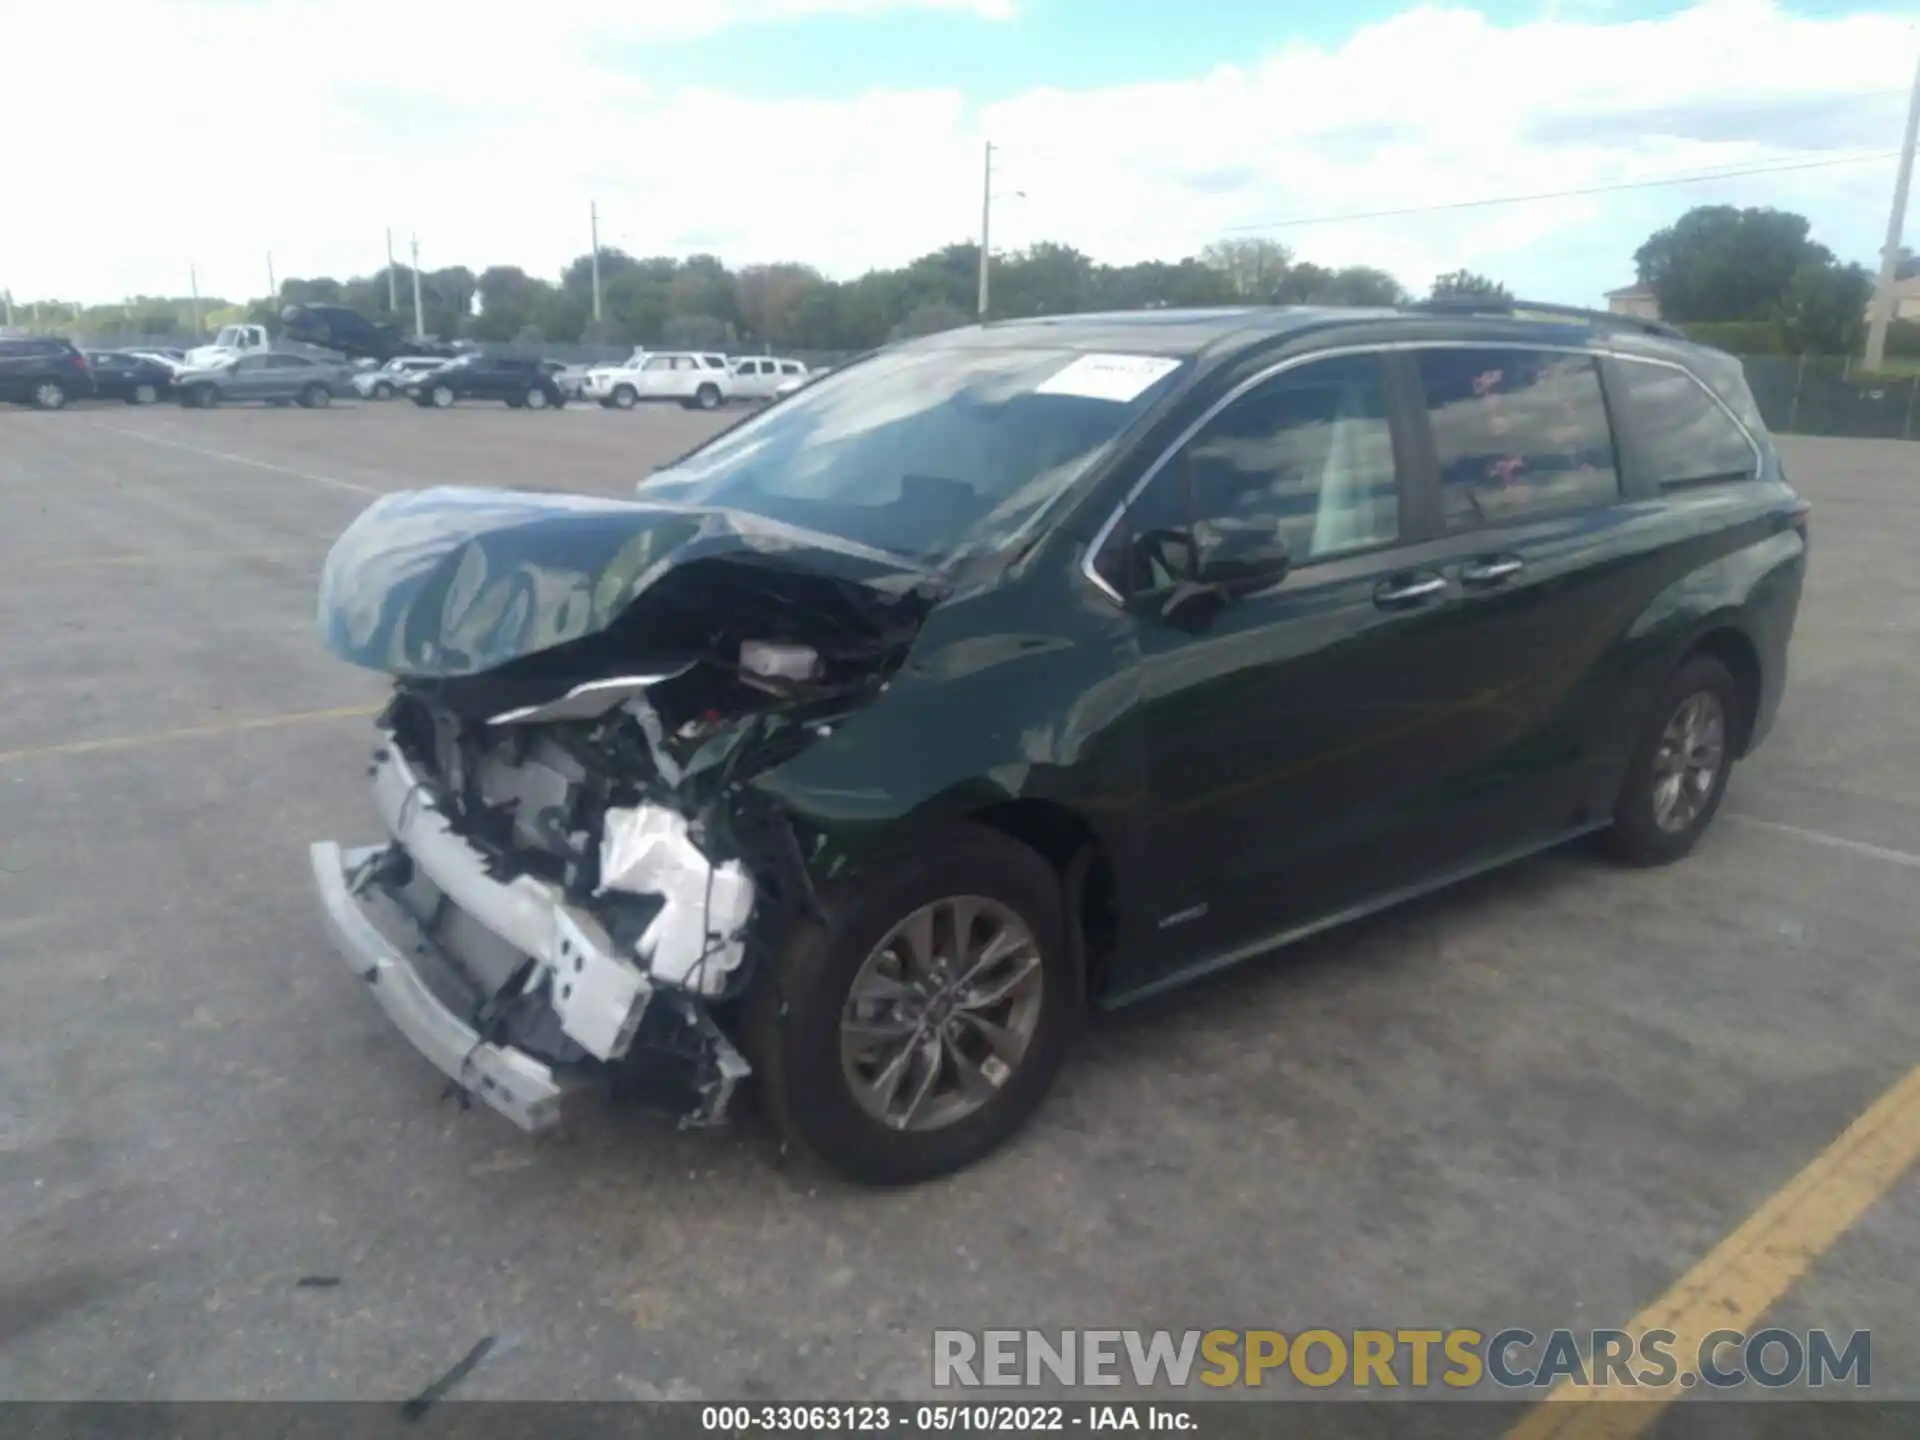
<point>1746,1274</point>
<point>193,732</point>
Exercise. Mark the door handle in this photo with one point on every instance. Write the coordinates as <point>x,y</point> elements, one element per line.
<point>1412,590</point>
<point>1491,572</point>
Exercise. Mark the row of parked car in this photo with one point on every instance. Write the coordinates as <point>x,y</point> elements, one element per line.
<point>697,379</point>
<point>47,373</point>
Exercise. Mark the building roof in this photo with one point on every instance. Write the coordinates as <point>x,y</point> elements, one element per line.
<point>1629,291</point>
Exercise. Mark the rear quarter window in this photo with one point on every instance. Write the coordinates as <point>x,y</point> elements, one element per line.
<point>1517,433</point>
<point>1683,435</point>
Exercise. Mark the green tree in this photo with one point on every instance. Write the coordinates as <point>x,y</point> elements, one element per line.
<point>1255,269</point>
<point>928,319</point>
<point>697,332</point>
<point>1720,263</point>
<point>1467,283</point>
<point>1824,309</point>
<point>769,300</point>
<point>510,300</point>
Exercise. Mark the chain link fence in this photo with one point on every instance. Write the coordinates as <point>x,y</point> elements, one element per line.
<point>1823,395</point>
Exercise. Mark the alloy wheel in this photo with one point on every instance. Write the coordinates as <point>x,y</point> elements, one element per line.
<point>49,396</point>
<point>941,1013</point>
<point>1693,748</point>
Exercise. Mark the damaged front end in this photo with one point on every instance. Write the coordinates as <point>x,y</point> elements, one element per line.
<point>576,878</point>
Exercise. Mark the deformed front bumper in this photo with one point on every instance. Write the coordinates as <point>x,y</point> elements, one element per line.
<point>520,1087</point>
<point>387,907</point>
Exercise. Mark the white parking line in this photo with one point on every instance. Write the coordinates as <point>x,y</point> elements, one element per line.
<point>333,480</point>
<point>1858,847</point>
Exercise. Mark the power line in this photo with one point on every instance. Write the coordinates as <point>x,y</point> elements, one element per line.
<point>1696,179</point>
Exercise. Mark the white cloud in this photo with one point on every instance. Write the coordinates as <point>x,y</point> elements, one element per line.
<point>220,131</point>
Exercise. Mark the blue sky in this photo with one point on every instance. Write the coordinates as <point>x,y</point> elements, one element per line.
<point>1063,43</point>
<point>847,133</point>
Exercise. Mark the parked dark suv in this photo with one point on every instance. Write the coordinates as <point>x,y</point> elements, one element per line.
<point>43,371</point>
<point>1041,664</point>
<point>522,384</point>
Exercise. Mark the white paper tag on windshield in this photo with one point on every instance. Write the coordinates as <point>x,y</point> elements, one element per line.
<point>1107,377</point>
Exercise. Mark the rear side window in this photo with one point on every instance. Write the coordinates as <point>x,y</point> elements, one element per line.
<point>1684,436</point>
<point>1518,433</point>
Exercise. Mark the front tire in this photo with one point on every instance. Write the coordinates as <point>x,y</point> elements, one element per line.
<point>383,391</point>
<point>1678,774</point>
<point>441,396</point>
<point>921,1027</point>
<point>143,395</point>
<point>535,398</point>
<point>625,397</point>
<point>205,397</point>
<point>707,397</point>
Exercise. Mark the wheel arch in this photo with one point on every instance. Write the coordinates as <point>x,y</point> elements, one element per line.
<point>1726,642</point>
<point>1084,863</point>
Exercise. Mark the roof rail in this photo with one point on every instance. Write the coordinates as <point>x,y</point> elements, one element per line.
<point>1523,309</point>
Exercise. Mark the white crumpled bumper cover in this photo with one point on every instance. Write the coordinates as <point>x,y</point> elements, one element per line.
<point>517,1085</point>
<point>598,994</point>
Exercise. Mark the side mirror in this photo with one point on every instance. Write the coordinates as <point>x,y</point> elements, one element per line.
<point>1212,563</point>
<point>1239,557</point>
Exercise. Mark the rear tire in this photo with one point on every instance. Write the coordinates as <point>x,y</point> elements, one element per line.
<point>383,391</point>
<point>206,397</point>
<point>1678,774</point>
<point>441,396</point>
<point>50,395</point>
<point>536,399</point>
<point>316,397</point>
<point>798,1012</point>
<point>708,397</point>
<point>143,395</point>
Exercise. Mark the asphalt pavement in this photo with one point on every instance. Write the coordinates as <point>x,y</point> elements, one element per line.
<point>1536,1100</point>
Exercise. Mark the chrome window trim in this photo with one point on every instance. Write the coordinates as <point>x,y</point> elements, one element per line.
<point>1384,347</point>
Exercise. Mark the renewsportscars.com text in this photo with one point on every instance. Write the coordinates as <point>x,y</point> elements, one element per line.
<point>1511,1359</point>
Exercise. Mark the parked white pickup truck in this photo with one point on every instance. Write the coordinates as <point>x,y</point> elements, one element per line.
<point>762,377</point>
<point>695,379</point>
<point>231,343</point>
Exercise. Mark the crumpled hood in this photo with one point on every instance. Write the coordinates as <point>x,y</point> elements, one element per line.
<point>451,581</point>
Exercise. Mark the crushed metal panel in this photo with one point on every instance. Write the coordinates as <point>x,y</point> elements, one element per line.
<point>599,997</point>
<point>697,939</point>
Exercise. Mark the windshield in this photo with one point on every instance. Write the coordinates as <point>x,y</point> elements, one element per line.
<point>924,453</point>
<point>229,336</point>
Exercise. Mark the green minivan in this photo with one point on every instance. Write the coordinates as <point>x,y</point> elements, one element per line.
<point>1032,667</point>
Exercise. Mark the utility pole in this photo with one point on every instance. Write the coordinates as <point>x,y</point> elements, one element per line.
<point>393,282</point>
<point>1890,256</point>
<point>9,295</point>
<point>986,221</point>
<point>593,220</point>
<point>419,313</point>
<point>193,282</point>
<point>273,288</point>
